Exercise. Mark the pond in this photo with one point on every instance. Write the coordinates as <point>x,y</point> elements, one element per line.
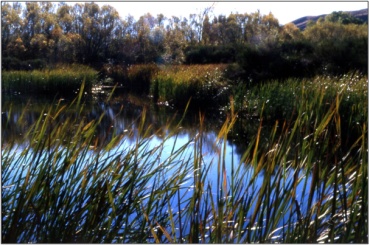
<point>223,171</point>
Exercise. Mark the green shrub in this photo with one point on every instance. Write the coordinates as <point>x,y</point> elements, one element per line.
<point>209,54</point>
<point>11,63</point>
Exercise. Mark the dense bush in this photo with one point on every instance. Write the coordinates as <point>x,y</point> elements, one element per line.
<point>338,48</point>
<point>262,63</point>
<point>12,63</point>
<point>208,54</point>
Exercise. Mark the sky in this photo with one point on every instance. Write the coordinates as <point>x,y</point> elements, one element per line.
<point>285,12</point>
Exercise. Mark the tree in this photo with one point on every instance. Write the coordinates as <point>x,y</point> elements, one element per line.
<point>160,20</point>
<point>142,44</point>
<point>290,32</point>
<point>338,47</point>
<point>32,25</point>
<point>232,30</point>
<point>175,41</point>
<point>47,18</point>
<point>342,18</point>
<point>206,32</point>
<point>196,21</point>
<point>65,18</point>
<point>67,50</point>
<point>16,48</point>
<point>109,23</point>
<point>270,29</point>
<point>11,28</point>
<point>188,32</point>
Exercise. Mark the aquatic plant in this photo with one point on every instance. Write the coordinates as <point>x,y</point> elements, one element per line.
<point>300,185</point>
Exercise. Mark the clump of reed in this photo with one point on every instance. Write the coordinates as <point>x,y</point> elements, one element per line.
<point>309,145</point>
<point>64,187</point>
<point>204,84</point>
<point>61,79</point>
<point>140,76</point>
<point>301,185</point>
<point>282,98</point>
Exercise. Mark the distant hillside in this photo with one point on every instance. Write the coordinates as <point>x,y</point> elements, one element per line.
<point>302,22</point>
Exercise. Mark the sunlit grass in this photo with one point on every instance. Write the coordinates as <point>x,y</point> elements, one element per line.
<point>204,84</point>
<point>64,80</point>
<point>282,98</point>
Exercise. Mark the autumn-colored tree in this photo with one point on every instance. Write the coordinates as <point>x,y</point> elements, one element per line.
<point>11,27</point>
<point>94,34</point>
<point>206,32</point>
<point>339,47</point>
<point>290,32</point>
<point>16,48</point>
<point>175,41</point>
<point>65,17</point>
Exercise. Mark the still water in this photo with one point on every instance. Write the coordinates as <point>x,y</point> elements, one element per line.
<point>122,116</point>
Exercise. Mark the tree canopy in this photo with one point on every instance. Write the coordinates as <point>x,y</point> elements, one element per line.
<point>41,33</point>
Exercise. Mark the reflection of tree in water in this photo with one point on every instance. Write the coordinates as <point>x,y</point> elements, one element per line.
<point>123,117</point>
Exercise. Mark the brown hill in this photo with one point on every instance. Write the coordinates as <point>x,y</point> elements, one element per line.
<point>301,23</point>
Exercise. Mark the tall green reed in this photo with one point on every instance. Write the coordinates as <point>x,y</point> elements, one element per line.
<point>204,84</point>
<point>65,80</point>
<point>63,187</point>
<point>302,184</point>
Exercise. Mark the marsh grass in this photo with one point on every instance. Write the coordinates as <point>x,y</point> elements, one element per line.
<point>65,80</point>
<point>282,98</point>
<point>204,84</point>
<point>300,185</point>
<point>278,100</point>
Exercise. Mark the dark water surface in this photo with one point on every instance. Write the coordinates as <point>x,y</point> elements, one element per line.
<point>122,114</point>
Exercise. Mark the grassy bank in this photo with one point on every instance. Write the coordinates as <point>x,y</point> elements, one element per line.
<point>64,80</point>
<point>300,185</point>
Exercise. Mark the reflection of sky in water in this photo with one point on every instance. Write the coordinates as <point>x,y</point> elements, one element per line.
<point>211,156</point>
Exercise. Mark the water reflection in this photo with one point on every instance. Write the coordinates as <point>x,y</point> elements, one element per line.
<point>121,115</point>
